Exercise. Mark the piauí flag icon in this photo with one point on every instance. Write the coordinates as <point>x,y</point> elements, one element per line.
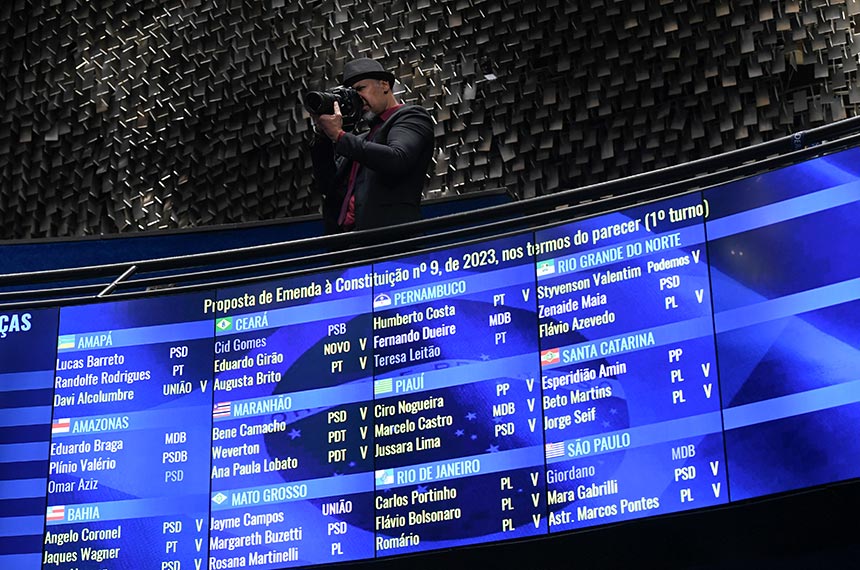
<point>383,386</point>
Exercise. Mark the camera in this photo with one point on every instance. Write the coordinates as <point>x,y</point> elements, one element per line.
<point>322,103</point>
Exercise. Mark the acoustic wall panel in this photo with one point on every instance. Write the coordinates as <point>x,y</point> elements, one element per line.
<point>128,115</point>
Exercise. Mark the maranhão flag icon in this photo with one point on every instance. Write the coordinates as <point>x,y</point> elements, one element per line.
<point>56,513</point>
<point>61,425</point>
<point>550,356</point>
<point>221,410</point>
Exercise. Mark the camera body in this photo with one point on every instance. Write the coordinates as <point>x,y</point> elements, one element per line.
<point>322,103</point>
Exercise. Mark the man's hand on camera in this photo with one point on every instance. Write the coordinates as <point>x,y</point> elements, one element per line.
<point>330,125</point>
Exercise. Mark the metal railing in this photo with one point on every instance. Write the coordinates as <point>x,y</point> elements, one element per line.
<point>232,266</point>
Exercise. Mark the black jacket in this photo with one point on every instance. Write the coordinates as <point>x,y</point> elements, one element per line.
<point>393,170</point>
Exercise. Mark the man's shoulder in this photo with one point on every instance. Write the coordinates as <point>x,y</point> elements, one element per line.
<point>412,111</point>
<point>411,118</point>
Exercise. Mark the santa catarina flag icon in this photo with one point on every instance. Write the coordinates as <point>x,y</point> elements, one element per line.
<point>550,356</point>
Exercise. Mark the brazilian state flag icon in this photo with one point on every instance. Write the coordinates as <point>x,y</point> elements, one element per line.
<point>224,324</point>
<point>385,476</point>
<point>382,386</point>
<point>545,267</point>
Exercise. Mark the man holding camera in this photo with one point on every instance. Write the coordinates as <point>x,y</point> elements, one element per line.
<point>376,178</point>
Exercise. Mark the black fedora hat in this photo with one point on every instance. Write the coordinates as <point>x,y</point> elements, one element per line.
<point>365,68</point>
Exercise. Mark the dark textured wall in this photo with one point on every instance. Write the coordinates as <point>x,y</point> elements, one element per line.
<point>125,115</point>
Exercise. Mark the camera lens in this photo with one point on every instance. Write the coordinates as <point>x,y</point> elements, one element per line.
<point>319,103</point>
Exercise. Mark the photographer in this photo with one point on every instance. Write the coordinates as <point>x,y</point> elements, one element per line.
<point>376,178</point>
